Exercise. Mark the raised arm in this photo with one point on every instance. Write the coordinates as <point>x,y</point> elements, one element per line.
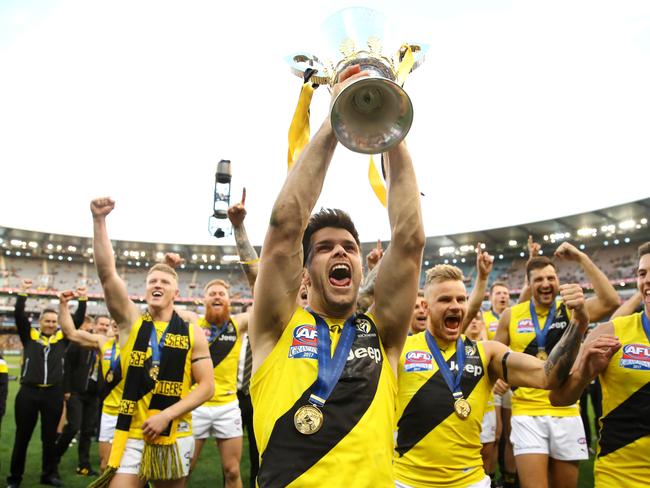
<point>526,370</point>
<point>202,373</point>
<point>534,249</point>
<point>69,329</point>
<point>606,299</point>
<point>22,322</point>
<point>281,262</point>
<point>247,255</point>
<point>367,287</point>
<point>82,302</point>
<point>484,264</point>
<point>396,287</point>
<point>121,308</point>
<point>629,306</point>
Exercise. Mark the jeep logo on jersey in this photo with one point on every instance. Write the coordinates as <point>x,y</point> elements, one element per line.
<point>636,356</point>
<point>418,361</point>
<point>365,352</point>
<point>524,326</point>
<point>303,344</point>
<point>558,325</point>
<point>363,326</point>
<point>471,369</point>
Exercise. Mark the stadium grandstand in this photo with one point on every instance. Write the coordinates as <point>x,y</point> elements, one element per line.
<point>57,262</point>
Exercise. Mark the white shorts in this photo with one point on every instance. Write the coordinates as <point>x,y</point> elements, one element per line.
<point>221,421</point>
<point>489,427</point>
<point>484,483</point>
<point>107,427</point>
<point>132,456</point>
<point>504,401</point>
<point>562,438</point>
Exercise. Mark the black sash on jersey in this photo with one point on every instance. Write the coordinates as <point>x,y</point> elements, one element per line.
<point>626,423</point>
<point>553,335</point>
<point>105,387</point>
<point>220,348</point>
<point>432,403</point>
<point>289,453</point>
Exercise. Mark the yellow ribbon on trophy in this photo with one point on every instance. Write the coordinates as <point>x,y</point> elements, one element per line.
<point>299,130</point>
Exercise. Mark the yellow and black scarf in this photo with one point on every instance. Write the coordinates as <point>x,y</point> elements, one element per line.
<point>160,459</point>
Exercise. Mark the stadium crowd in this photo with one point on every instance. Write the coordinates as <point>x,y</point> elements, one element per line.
<point>341,377</point>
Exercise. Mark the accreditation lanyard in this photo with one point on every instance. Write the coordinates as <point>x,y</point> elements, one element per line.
<point>115,358</point>
<point>646,324</point>
<point>156,347</point>
<point>540,335</point>
<point>330,367</point>
<point>452,379</point>
<point>215,332</point>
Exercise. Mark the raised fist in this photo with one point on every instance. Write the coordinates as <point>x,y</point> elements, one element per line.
<point>484,262</point>
<point>101,207</point>
<point>237,212</point>
<point>568,251</point>
<point>82,291</point>
<point>574,298</point>
<point>66,296</point>
<point>25,285</point>
<point>173,260</point>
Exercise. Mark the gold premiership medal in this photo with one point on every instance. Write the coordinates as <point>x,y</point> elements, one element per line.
<point>541,354</point>
<point>153,372</point>
<point>462,408</point>
<point>308,419</point>
<point>109,376</point>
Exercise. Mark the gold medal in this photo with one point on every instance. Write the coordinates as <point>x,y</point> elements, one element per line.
<point>308,419</point>
<point>462,408</point>
<point>109,376</point>
<point>153,372</point>
<point>541,354</point>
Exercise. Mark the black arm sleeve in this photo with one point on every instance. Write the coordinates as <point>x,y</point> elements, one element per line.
<point>80,314</point>
<point>69,364</point>
<point>22,323</point>
<point>4,389</point>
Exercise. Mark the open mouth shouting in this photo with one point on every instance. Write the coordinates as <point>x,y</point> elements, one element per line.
<point>157,294</point>
<point>340,275</point>
<point>452,323</point>
<point>546,295</point>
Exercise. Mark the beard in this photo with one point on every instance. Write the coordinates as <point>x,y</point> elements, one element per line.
<point>215,317</point>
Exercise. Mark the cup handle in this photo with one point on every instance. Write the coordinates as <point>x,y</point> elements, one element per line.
<point>299,62</point>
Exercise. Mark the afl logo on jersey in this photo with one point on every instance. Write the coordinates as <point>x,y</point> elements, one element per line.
<point>636,356</point>
<point>524,326</point>
<point>418,361</point>
<point>304,342</point>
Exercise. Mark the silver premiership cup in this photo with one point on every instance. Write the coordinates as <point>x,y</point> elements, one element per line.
<point>369,115</point>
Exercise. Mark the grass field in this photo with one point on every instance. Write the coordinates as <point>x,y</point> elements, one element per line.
<point>207,473</point>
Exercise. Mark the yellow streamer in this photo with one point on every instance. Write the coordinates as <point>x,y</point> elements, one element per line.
<point>405,66</point>
<point>299,129</point>
<point>376,182</point>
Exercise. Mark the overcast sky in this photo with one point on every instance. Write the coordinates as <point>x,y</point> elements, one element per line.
<point>523,111</point>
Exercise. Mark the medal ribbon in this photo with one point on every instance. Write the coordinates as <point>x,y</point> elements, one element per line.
<point>646,324</point>
<point>452,379</point>
<point>114,360</point>
<point>215,332</point>
<point>330,368</point>
<point>540,335</point>
<point>156,347</point>
<point>495,314</point>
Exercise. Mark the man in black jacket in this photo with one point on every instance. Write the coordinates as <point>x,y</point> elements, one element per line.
<point>41,390</point>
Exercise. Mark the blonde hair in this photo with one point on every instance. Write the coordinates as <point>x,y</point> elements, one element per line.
<point>216,281</point>
<point>163,268</point>
<point>443,272</point>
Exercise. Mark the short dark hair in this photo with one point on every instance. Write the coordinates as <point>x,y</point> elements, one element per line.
<point>327,217</point>
<point>48,310</point>
<point>102,316</point>
<point>644,249</point>
<point>538,262</point>
<point>498,283</point>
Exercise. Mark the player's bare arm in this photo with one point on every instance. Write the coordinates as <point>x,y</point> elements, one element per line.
<point>78,336</point>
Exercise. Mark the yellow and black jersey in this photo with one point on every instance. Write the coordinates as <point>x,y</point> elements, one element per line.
<point>142,405</point>
<point>224,350</point>
<point>354,445</point>
<point>533,401</point>
<point>435,447</point>
<point>491,323</point>
<point>623,457</point>
<point>111,379</point>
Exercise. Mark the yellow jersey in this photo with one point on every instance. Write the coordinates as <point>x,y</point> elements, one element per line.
<point>142,405</point>
<point>491,323</point>
<point>434,446</point>
<point>111,391</point>
<point>224,351</point>
<point>533,401</point>
<point>624,445</point>
<point>354,446</point>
